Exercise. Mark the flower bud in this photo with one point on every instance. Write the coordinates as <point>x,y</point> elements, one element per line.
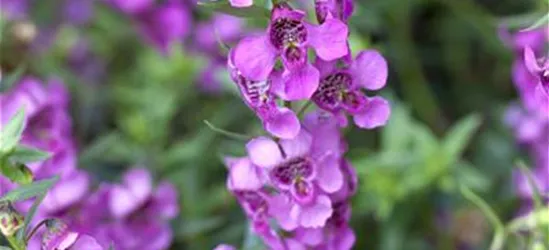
<point>10,219</point>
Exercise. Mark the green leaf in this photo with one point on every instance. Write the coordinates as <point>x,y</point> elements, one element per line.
<point>459,136</point>
<point>28,191</point>
<point>11,133</point>
<point>223,6</point>
<point>5,248</point>
<point>543,21</point>
<point>396,135</point>
<point>18,172</point>
<point>25,155</point>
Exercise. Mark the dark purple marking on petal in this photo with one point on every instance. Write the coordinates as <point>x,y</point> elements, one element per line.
<point>331,89</point>
<point>293,170</point>
<point>284,32</point>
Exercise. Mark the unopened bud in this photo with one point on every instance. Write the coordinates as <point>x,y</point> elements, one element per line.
<point>10,219</point>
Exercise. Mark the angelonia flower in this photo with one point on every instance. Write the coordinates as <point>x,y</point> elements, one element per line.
<point>133,214</point>
<point>48,128</point>
<point>303,184</point>
<point>58,236</point>
<point>288,37</point>
<point>241,3</point>
<point>529,120</point>
<point>160,25</point>
<point>294,185</point>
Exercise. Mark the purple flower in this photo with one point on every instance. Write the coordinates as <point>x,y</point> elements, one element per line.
<point>304,175</point>
<point>241,3</point>
<point>224,247</point>
<point>289,36</point>
<point>539,68</point>
<point>140,214</point>
<point>132,6</point>
<point>339,90</point>
<point>163,25</point>
<point>58,236</point>
<point>279,121</point>
<point>14,9</point>
<point>340,9</point>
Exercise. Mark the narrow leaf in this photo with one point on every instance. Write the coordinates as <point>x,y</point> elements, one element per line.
<point>229,134</point>
<point>11,133</point>
<point>224,6</point>
<point>543,21</point>
<point>459,136</point>
<point>26,155</point>
<point>28,191</point>
<point>18,172</point>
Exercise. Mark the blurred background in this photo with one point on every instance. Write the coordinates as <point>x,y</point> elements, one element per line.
<point>139,97</point>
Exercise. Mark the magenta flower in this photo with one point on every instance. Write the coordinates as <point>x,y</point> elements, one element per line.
<point>241,3</point>
<point>340,90</point>
<point>224,247</point>
<point>340,9</point>
<point>140,213</point>
<point>58,236</point>
<point>132,6</point>
<point>279,121</point>
<point>539,68</point>
<point>289,36</point>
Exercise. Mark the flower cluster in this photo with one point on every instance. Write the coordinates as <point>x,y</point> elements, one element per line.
<point>530,120</point>
<point>130,215</point>
<point>295,188</point>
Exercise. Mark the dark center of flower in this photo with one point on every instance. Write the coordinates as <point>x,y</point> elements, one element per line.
<point>286,32</point>
<point>293,170</point>
<point>544,76</point>
<point>332,90</point>
<point>253,200</point>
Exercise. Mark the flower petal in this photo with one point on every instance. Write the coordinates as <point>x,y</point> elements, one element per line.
<point>280,207</point>
<point>284,124</point>
<point>264,152</point>
<point>299,146</point>
<point>255,57</point>
<point>329,39</point>
<point>329,176</point>
<point>244,176</point>
<point>301,83</point>
<point>316,215</point>
<point>86,242</point>
<point>375,115</point>
<point>165,200</point>
<point>122,202</point>
<point>370,70</point>
<point>241,3</point>
<point>531,61</point>
<point>139,183</point>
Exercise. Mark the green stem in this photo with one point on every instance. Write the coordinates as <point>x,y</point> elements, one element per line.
<point>499,228</point>
<point>229,134</point>
<point>304,108</point>
<point>15,244</point>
